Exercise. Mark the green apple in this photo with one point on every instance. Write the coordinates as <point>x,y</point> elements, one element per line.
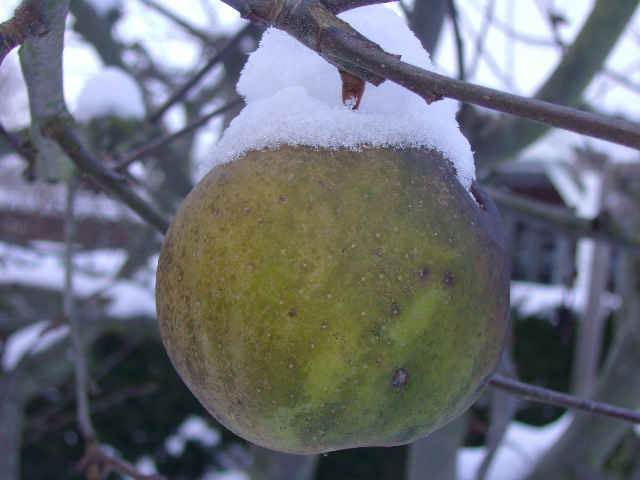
<point>318,300</point>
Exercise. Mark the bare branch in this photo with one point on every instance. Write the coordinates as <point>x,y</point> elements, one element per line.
<point>602,228</point>
<point>97,30</point>
<point>549,397</point>
<point>220,56</point>
<point>566,85</point>
<point>160,143</point>
<point>310,22</point>
<point>41,62</point>
<point>68,307</point>
<point>162,10</point>
<point>105,178</point>
<point>98,460</point>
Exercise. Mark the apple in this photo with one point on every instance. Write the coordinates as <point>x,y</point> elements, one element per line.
<point>316,300</point>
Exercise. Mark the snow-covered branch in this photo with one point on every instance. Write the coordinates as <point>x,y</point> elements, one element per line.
<point>314,25</point>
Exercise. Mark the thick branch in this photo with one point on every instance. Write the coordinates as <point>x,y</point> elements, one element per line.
<point>41,61</point>
<point>27,20</point>
<point>309,22</point>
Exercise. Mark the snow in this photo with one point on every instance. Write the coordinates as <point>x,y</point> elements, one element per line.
<point>193,428</point>
<point>31,340</point>
<point>95,275</point>
<point>520,450</point>
<point>227,475</point>
<point>111,92</point>
<point>535,299</point>
<point>49,200</point>
<point>294,97</point>
<point>146,465</point>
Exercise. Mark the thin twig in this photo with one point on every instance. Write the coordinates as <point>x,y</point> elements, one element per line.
<point>83,416</point>
<point>53,422</point>
<point>549,397</point>
<point>220,56</point>
<point>98,460</point>
<point>162,142</point>
<point>177,20</point>
<point>102,176</point>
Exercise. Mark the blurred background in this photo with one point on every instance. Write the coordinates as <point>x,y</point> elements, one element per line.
<point>152,85</point>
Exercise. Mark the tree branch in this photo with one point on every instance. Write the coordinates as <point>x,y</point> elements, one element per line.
<point>97,30</point>
<point>602,228</point>
<point>220,56</point>
<point>193,31</point>
<point>104,177</point>
<point>432,86</point>
<point>311,23</point>
<point>41,61</point>
<point>26,21</point>
<point>83,417</point>
<point>549,397</point>
<point>162,142</point>
<point>566,85</point>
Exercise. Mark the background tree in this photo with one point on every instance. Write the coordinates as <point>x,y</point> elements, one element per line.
<point>54,412</point>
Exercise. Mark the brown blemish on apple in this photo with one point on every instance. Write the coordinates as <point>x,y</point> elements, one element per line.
<point>448,279</point>
<point>400,378</point>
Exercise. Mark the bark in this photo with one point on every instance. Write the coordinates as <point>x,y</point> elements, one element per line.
<point>41,61</point>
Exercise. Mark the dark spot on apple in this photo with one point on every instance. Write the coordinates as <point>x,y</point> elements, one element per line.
<point>448,279</point>
<point>424,274</point>
<point>400,378</point>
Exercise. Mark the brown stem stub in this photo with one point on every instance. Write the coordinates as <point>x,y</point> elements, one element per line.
<point>352,89</point>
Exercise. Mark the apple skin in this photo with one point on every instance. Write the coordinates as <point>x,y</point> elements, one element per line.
<point>318,300</point>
